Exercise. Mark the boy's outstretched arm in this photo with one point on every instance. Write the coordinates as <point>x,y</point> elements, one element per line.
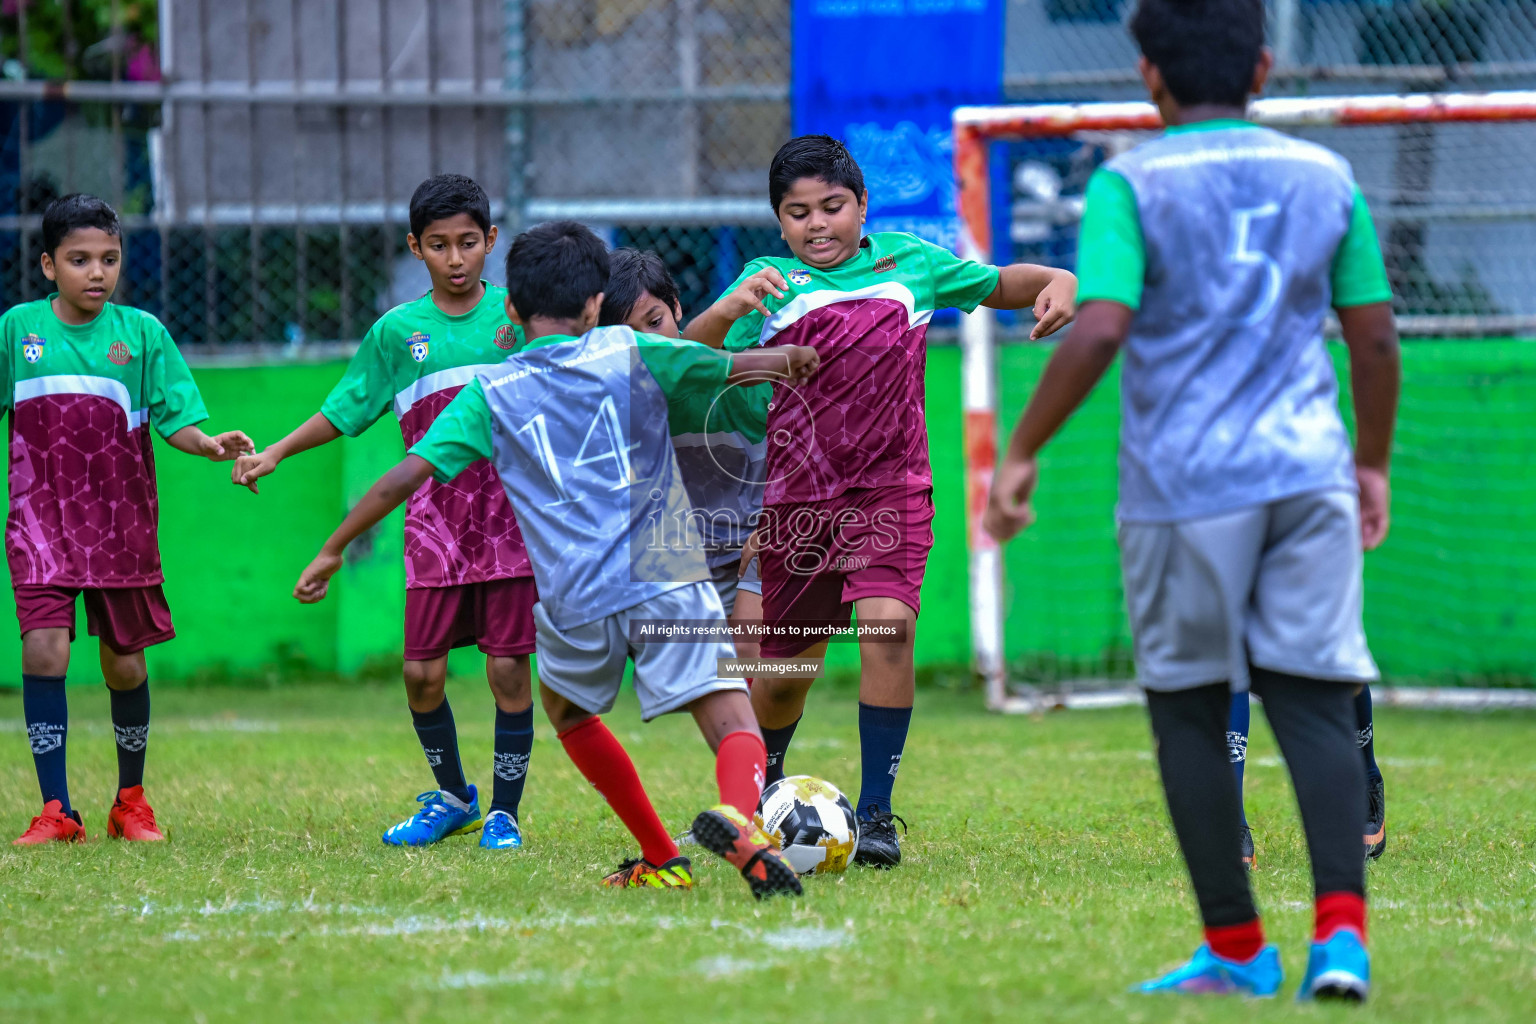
<point>712,325</point>
<point>391,490</point>
<point>1075,367</point>
<point>312,433</point>
<point>1375,371</point>
<point>1052,293</point>
<point>220,448</point>
<point>790,363</point>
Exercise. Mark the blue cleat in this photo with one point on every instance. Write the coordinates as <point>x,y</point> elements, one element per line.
<point>440,816</point>
<point>1208,974</point>
<point>1338,969</point>
<point>500,832</point>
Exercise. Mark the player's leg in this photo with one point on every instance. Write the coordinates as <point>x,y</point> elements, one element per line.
<point>1376,793</point>
<point>1237,752</point>
<point>887,688</point>
<point>436,620</point>
<point>779,702</point>
<point>748,608</point>
<point>47,616</point>
<point>504,631</point>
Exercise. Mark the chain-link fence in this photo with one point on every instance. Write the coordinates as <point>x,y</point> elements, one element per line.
<point>263,151</point>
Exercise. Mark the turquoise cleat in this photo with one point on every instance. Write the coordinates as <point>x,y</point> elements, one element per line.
<point>500,832</point>
<point>440,816</point>
<point>1208,974</point>
<point>1338,969</point>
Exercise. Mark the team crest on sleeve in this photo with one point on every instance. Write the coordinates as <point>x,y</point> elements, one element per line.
<point>885,263</point>
<point>800,276</point>
<point>32,348</point>
<point>119,354</point>
<point>506,337</point>
<point>418,343</point>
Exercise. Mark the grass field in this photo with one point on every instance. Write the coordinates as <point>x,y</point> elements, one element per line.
<point>1040,877</point>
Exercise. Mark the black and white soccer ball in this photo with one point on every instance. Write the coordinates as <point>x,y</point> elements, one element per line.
<point>811,822</point>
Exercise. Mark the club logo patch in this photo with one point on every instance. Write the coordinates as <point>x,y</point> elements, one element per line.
<point>885,263</point>
<point>32,348</point>
<point>45,736</point>
<point>132,738</point>
<point>418,343</point>
<point>506,337</point>
<point>800,276</point>
<point>119,354</point>
<point>511,767</point>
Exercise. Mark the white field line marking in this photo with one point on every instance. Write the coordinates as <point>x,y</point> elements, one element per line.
<point>806,939</point>
<point>458,980</point>
<point>727,966</point>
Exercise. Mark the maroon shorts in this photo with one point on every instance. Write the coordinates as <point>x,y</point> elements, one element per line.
<point>496,616</point>
<point>128,619</point>
<point>818,557</point>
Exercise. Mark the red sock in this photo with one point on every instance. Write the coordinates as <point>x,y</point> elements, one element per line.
<point>1239,942</point>
<point>1337,910</point>
<point>601,758</point>
<point>739,767</point>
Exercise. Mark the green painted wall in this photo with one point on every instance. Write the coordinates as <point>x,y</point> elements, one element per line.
<point>1448,598</point>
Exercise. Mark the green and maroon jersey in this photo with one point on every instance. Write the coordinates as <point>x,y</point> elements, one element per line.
<point>84,509</point>
<point>859,421</point>
<point>414,360</point>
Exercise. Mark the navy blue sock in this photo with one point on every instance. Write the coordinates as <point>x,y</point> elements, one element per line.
<point>1237,742</point>
<point>777,743</point>
<point>514,745</point>
<point>130,722</point>
<point>1365,733</point>
<point>440,742</point>
<point>882,735</point>
<point>47,714</point>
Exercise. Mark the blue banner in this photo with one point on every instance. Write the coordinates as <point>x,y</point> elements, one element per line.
<point>883,76</point>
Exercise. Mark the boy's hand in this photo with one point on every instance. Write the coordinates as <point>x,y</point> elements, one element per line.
<point>228,445</point>
<point>1008,510</point>
<point>749,294</point>
<point>1055,307</point>
<point>315,579</point>
<point>749,551</point>
<point>250,468</point>
<point>803,361</point>
<point>1375,502</point>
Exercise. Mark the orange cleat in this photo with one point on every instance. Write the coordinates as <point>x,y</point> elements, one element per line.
<point>639,873</point>
<point>53,826</point>
<point>726,831</point>
<point>132,818</point>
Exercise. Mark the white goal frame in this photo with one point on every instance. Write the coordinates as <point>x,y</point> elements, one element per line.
<point>975,127</point>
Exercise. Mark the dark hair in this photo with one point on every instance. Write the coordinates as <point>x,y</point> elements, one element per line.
<point>812,156</point>
<point>446,195</point>
<point>73,212</point>
<point>1205,49</point>
<point>630,272</point>
<point>553,269</point>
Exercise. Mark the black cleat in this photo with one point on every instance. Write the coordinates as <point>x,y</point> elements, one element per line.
<point>1250,855</point>
<point>878,846</point>
<point>1376,819</point>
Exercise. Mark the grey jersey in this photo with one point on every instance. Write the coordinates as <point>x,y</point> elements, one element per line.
<point>581,442</point>
<point>1228,395</point>
<point>721,452</point>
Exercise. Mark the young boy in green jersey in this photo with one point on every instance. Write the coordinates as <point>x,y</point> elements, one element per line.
<point>468,580</point>
<point>84,379</point>
<point>848,502</point>
<point>1210,256</point>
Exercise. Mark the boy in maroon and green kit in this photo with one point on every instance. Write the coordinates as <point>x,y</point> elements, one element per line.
<point>848,505</point>
<point>468,579</point>
<point>84,379</point>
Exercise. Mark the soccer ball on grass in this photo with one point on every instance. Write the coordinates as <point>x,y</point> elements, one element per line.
<point>811,822</point>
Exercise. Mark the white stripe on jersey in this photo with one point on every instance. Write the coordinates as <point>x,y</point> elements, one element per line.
<point>803,305</point>
<point>432,383</point>
<point>81,384</point>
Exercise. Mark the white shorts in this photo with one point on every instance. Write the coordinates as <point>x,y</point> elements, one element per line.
<point>728,584</point>
<point>1277,585</point>
<point>585,665</point>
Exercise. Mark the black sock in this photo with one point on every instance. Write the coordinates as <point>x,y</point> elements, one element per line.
<point>130,722</point>
<point>1237,743</point>
<point>777,743</point>
<point>47,713</point>
<point>440,742</point>
<point>882,737</point>
<point>514,746</point>
<point>1365,733</point>
<point>1314,722</point>
<point>1189,727</point>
